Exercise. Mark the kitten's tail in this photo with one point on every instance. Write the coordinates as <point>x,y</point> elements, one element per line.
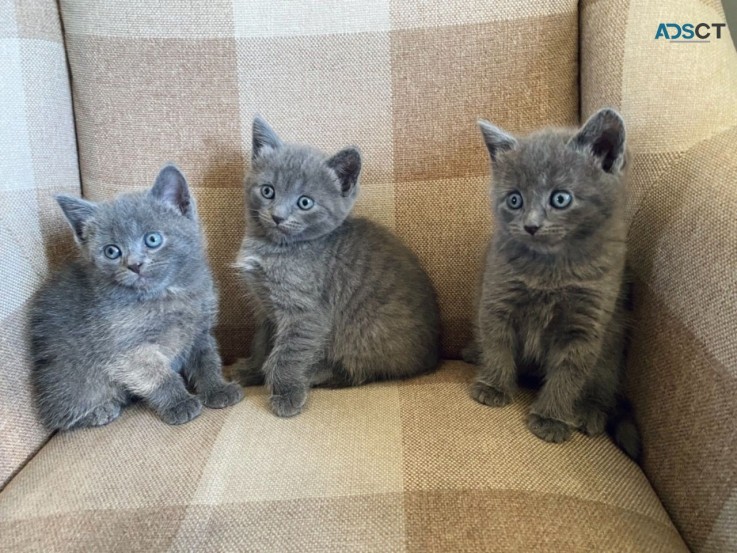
<point>623,429</point>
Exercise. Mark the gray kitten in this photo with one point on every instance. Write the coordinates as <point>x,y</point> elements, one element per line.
<point>132,317</point>
<point>339,301</point>
<point>553,298</point>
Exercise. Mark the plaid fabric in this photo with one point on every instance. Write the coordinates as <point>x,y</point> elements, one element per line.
<point>408,466</point>
<point>680,104</point>
<point>38,158</point>
<point>182,80</point>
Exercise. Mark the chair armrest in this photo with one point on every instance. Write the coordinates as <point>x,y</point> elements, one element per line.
<point>680,104</point>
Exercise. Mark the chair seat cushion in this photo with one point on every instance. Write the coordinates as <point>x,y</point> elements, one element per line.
<point>400,466</point>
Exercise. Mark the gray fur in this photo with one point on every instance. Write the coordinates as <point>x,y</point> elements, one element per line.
<point>339,301</point>
<point>552,303</point>
<point>103,334</point>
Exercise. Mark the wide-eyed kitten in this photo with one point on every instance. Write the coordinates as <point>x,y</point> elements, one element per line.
<point>552,303</point>
<point>339,301</point>
<point>132,317</point>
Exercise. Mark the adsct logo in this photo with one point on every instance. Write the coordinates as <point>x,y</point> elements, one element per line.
<point>689,32</point>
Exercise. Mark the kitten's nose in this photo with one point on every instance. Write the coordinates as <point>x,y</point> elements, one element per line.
<point>277,219</point>
<point>532,229</point>
<point>135,267</point>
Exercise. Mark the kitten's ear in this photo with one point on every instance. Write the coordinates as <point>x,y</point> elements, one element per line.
<point>79,213</point>
<point>172,189</point>
<point>347,165</point>
<point>263,136</point>
<point>497,141</point>
<point>603,137</point>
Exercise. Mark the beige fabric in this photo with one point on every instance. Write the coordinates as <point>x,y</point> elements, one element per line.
<point>38,158</point>
<point>405,83</point>
<point>680,104</point>
<point>409,466</point>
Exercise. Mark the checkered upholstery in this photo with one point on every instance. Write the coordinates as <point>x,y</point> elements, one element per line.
<point>409,466</point>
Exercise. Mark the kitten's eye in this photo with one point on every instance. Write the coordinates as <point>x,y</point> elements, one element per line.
<point>560,199</point>
<point>153,239</point>
<point>514,200</point>
<point>267,191</point>
<point>111,251</point>
<point>305,202</point>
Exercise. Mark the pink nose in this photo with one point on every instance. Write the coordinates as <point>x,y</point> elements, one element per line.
<point>136,267</point>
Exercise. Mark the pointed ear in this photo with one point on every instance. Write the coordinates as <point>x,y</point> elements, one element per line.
<point>603,136</point>
<point>347,165</point>
<point>79,213</point>
<point>263,136</point>
<point>497,141</point>
<point>171,188</point>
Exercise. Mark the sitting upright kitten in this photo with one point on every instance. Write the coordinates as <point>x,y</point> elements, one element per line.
<point>339,301</point>
<point>553,294</point>
<point>132,316</point>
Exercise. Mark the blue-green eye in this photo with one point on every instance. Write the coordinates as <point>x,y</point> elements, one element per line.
<point>560,199</point>
<point>305,202</point>
<point>514,200</point>
<point>153,239</point>
<point>111,251</point>
<point>267,191</point>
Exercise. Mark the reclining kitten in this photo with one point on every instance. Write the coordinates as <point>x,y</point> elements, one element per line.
<point>339,301</point>
<point>553,295</point>
<point>132,317</point>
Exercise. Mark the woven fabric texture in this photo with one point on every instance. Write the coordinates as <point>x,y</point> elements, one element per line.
<point>680,104</point>
<point>38,158</point>
<point>409,466</point>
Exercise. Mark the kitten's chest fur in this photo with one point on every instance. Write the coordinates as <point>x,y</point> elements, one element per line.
<point>172,321</point>
<point>283,276</point>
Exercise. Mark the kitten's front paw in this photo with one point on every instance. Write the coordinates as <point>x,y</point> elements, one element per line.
<point>289,404</point>
<point>217,398</point>
<point>592,422</point>
<point>550,430</point>
<point>101,415</point>
<point>182,412</point>
<point>488,395</point>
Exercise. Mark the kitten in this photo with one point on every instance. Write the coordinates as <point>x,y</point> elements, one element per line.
<point>132,317</point>
<point>339,301</point>
<point>552,304</point>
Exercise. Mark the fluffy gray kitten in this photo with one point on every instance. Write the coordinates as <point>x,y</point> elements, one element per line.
<point>553,298</point>
<point>339,301</point>
<point>132,317</point>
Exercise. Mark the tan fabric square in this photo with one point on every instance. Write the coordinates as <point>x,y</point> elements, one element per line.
<point>39,19</point>
<point>523,521</point>
<point>145,19</point>
<point>257,19</point>
<point>441,444</point>
<point>444,79</point>
<point>141,103</point>
<point>662,115</point>
<point>106,468</point>
<point>325,91</point>
<point>447,223</point>
<point>359,523</point>
<point>346,443</point>
<point>602,55</point>
<point>444,13</point>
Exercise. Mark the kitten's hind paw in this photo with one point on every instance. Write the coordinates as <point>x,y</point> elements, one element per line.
<point>217,398</point>
<point>182,412</point>
<point>550,430</point>
<point>592,422</point>
<point>289,404</point>
<point>101,415</point>
<point>471,354</point>
<point>488,395</point>
<point>247,373</point>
